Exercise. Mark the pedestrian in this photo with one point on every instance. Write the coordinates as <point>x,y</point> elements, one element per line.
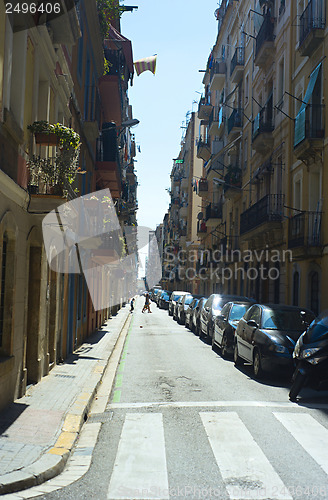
<point>147,304</point>
<point>132,304</point>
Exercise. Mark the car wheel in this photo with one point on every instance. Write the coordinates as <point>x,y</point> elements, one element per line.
<point>237,359</point>
<point>257,364</point>
<point>170,313</point>
<point>224,346</point>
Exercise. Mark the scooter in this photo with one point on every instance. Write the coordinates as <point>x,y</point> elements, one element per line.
<point>311,356</point>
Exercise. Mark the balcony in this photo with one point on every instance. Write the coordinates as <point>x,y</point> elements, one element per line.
<point>309,133</point>
<point>304,234</point>
<point>237,65</point>
<point>203,149</point>
<point>213,122</point>
<point>262,129</point>
<point>110,95</point>
<point>213,214</point>
<point>108,172</point>
<point>268,210</point>
<point>218,75</point>
<point>203,187</point>
<point>233,181</point>
<point>312,27</point>
<point>264,50</point>
<point>204,108</point>
<point>235,122</point>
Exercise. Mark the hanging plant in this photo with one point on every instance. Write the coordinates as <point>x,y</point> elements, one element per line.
<point>109,11</point>
<point>62,169</point>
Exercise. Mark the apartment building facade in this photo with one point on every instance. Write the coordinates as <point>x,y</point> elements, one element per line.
<point>50,72</point>
<point>262,139</point>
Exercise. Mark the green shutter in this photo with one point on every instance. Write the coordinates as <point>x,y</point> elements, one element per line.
<point>300,119</point>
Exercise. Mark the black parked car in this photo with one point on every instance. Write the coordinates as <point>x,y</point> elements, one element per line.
<point>226,323</point>
<point>173,300</point>
<point>190,310</point>
<point>267,334</point>
<point>212,308</point>
<point>163,301</point>
<point>183,306</point>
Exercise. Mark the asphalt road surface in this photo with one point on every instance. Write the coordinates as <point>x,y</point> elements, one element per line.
<point>181,422</point>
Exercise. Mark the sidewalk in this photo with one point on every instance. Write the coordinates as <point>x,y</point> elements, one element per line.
<point>38,431</point>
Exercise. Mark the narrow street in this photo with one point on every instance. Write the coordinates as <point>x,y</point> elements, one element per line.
<point>181,422</point>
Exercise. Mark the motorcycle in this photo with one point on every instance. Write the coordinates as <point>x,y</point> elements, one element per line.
<point>311,356</point>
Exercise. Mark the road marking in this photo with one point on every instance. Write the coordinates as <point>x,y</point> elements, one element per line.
<point>117,396</point>
<point>140,466</point>
<point>215,404</point>
<point>246,471</point>
<point>311,435</point>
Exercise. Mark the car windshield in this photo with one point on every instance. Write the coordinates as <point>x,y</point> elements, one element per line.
<point>238,311</point>
<point>176,297</point>
<point>283,319</point>
<point>217,303</point>
<point>189,299</point>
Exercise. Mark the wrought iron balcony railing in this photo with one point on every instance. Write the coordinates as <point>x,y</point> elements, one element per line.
<point>238,59</point>
<point>269,208</point>
<point>313,17</point>
<point>213,211</point>
<point>265,34</point>
<point>304,230</point>
<point>263,122</point>
<point>235,119</point>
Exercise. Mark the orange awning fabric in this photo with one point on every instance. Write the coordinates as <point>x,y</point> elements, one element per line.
<point>117,41</point>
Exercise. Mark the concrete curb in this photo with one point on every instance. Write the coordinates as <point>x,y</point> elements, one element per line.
<point>53,461</point>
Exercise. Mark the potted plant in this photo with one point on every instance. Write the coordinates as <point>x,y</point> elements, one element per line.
<point>44,133</point>
<point>60,171</point>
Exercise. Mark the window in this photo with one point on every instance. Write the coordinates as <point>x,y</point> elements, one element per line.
<point>3,285</point>
<point>254,314</point>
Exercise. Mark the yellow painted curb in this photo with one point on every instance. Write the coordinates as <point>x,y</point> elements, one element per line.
<point>72,423</point>
<point>66,440</point>
<point>58,451</point>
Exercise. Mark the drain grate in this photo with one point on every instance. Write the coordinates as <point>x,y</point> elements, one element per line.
<point>101,418</point>
<point>64,376</point>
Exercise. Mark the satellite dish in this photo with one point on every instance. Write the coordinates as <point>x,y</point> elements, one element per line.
<point>200,216</point>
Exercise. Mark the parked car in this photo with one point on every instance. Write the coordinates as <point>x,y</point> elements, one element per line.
<point>153,291</point>
<point>163,301</point>
<point>190,310</point>
<point>226,323</point>
<point>176,306</point>
<point>267,334</point>
<point>195,320</point>
<point>156,294</point>
<point>182,307</point>
<point>174,298</point>
<point>212,308</point>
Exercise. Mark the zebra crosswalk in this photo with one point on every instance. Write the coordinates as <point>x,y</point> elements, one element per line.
<point>141,468</point>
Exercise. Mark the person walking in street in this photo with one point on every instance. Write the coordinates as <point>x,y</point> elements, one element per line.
<point>132,304</point>
<point>147,304</point>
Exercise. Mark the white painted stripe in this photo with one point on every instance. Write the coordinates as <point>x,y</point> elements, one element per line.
<point>246,471</point>
<point>214,404</point>
<point>140,467</point>
<point>311,435</point>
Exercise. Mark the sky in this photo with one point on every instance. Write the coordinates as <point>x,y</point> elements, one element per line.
<point>182,34</point>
